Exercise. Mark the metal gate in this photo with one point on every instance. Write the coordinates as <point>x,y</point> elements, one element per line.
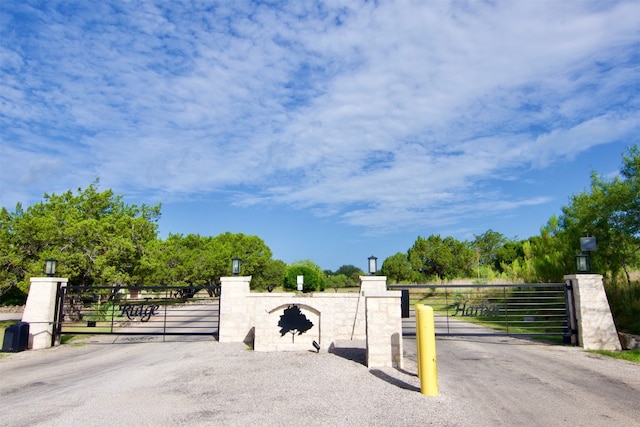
<point>528,310</point>
<point>158,310</point>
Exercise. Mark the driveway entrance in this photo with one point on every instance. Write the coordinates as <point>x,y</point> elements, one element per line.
<point>160,310</point>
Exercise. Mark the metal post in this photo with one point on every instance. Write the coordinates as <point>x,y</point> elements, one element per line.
<point>571,313</point>
<point>56,332</point>
<point>426,346</point>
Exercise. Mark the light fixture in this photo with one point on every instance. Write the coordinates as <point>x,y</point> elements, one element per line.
<point>50,267</point>
<point>583,263</point>
<point>316,346</point>
<point>373,264</point>
<point>235,266</point>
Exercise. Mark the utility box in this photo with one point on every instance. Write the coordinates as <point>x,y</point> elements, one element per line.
<point>16,338</point>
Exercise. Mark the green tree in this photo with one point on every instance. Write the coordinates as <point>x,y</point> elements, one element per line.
<point>272,276</point>
<point>441,258</point>
<point>397,267</point>
<point>338,281</point>
<point>552,252</point>
<point>509,252</point>
<point>96,238</point>
<point>194,260</point>
<point>487,246</point>
<point>350,271</point>
<point>610,211</point>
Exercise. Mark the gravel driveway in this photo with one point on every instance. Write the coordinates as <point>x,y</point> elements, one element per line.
<point>146,382</point>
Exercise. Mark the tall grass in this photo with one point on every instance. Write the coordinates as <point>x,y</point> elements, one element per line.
<point>624,299</point>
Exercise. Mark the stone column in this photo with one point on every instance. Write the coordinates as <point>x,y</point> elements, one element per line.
<point>596,329</point>
<point>39,311</point>
<point>384,329</point>
<point>368,284</point>
<point>235,315</point>
<point>373,283</point>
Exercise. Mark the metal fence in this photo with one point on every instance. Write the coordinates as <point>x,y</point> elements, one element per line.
<point>159,310</point>
<point>511,309</point>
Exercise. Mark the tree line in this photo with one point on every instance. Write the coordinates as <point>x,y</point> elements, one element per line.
<point>98,239</point>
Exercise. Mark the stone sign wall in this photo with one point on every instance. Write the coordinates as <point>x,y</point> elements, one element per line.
<point>268,320</point>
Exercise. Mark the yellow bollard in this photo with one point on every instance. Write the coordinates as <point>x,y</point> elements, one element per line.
<point>426,350</point>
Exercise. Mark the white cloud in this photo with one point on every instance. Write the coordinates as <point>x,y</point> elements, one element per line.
<point>378,114</point>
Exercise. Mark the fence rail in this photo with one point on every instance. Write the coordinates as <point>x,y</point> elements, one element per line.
<point>539,309</point>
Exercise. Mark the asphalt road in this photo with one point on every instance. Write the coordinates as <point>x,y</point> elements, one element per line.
<point>143,381</point>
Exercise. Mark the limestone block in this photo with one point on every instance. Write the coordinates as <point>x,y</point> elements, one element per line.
<point>39,311</point>
<point>596,329</point>
<point>384,330</point>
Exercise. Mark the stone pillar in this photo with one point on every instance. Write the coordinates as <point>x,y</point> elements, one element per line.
<point>39,311</point>
<point>373,283</point>
<point>384,329</point>
<point>596,329</point>
<point>368,284</point>
<point>235,315</point>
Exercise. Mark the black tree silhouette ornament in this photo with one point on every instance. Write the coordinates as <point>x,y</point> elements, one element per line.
<point>294,322</point>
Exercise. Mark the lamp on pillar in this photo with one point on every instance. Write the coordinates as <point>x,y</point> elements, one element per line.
<point>583,261</point>
<point>583,264</point>
<point>50,267</point>
<point>373,264</point>
<point>235,266</point>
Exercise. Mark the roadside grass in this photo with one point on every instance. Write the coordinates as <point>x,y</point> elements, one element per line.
<point>69,339</point>
<point>629,355</point>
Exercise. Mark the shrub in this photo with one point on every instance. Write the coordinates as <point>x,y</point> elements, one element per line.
<point>313,281</point>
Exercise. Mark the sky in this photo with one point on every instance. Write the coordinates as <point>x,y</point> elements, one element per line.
<point>333,130</point>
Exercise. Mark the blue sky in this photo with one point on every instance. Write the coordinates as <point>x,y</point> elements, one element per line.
<point>333,130</point>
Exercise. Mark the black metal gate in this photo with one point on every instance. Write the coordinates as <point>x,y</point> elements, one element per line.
<point>528,310</point>
<point>158,310</point>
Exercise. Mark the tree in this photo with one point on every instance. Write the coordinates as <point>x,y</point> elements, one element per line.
<point>441,258</point>
<point>272,276</point>
<point>610,211</point>
<point>397,267</point>
<point>487,246</point>
<point>350,271</point>
<point>508,253</point>
<point>337,281</point>
<point>96,238</point>
<point>194,260</point>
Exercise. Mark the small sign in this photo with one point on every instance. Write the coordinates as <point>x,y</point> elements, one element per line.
<point>300,282</point>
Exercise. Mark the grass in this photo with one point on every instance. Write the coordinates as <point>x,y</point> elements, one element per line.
<point>68,339</point>
<point>629,355</point>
